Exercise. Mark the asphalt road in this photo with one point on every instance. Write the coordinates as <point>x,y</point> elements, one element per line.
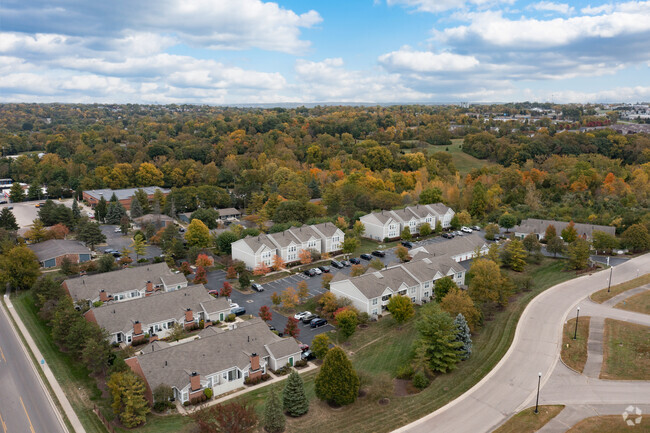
<point>512,384</point>
<point>24,407</point>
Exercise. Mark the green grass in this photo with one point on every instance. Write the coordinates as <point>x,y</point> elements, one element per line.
<point>626,351</point>
<point>464,162</point>
<point>574,352</point>
<point>527,421</point>
<point>603,295</point>
<point>381,348</point>
<point>608,424</point>
<point>639,303</point>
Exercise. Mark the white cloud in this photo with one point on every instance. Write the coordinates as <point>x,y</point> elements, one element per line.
<point>616,94</point>
<point>596,10</point>
<point>435,6</point>
<point>426,61</point>
<point>546,6</point>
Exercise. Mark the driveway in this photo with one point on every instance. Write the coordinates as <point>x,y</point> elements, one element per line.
<point>117,241</point>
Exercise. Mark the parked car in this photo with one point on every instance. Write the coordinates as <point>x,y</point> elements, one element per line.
<point>37,205</point>
<point>118,229</point>
<point>232,304</point>
<point>310,272</point>
<point>447,235</point>
<point>378,253</point>
<point>257,287</point>
<point>366,256</point>
<point>214,293</point>
<point>114,253</point>
<point>300,315</point>
<point>317,323</point>
<point>307,355</point>
<point>407,244</point>
<point>317,271</point>
<point>458,233</point>
<point>303,347</point>
<point>346,263</point>
<point>325,269</point>
<point>337,264</point>
<point>465,229</point>
<point>477,228</point>
<point>308,318</point>
<point>238,311</point>
<point>497,237</point>
<point>355,261</point>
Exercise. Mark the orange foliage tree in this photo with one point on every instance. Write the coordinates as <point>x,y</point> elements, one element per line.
<point>278,263</point>
<point>305,257</point>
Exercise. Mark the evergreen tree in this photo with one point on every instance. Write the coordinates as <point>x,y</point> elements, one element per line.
<point>115,212</point>
<point>139,247</point>
<point>8,220</point>
<point>143,198</point>
<point>76,212</point>
<point>113,198</point>
<point>294,400</point>
<point>136,208</point>
<point>129,402</point>
<point>463,335</point>
<point>91,234</point>
<point>479,200</point>
<point>16,193</point>
<point>100,209</point>
<point>34,192</point>
<point>274,421</point>
<point>438,338</point>
<point>337,382</point>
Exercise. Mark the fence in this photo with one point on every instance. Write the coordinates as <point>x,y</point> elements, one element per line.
<point>103,420</point>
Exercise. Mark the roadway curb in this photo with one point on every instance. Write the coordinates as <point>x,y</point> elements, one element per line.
<point>63,400</point>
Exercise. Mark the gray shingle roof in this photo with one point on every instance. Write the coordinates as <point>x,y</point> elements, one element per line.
<point>327,229</point>
<point>213,353</point>
<point>533,225</point>
<point>153,218</point>
<point>229,211</point>
<point>455,246</point>
<point>88,287</point>
<point>56,248</point>
<point>123,194</point>
<point>407,213</point>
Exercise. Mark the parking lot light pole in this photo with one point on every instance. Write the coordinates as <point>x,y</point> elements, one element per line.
<point>609,285</point>
<point>575,333</point>
<point>539,380</point>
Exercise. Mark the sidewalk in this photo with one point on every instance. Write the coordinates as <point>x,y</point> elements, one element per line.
<point>186,410</point>
<point>70,413</point>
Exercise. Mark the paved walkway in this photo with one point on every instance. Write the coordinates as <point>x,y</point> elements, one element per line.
<point>511,386</point>
<point>623,296</point>
<point>595,347</point>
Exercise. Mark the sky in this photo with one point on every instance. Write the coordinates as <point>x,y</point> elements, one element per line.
<point>301,51</point>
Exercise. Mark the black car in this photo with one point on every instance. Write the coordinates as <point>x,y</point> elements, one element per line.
<point>114,253</point>
<point>310,272</point>
<point>257,287</point>
<point>317,323</point>
<point>325,269</point>
<point>238,311</point>
<point>346,263</point>
<point>407,244</point>
<point>378,253</point>
<point>355,260</point>
<point>448,235</point>
<point>337,264</point>
<point>366,256</point>
<point>307,355</point>
<point>308,318</point>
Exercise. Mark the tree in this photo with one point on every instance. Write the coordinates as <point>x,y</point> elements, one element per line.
<point>265,313</point>
<point>136,208</point>
<point>37,233</point>
<point>491,230</point>
<point>106,263</point>
<point>569,233</point>
<point>437,338</point>
<point>278,263</point>
<point>232,417</point>
<point>402,253</point>
<point>19,267</point>
<point>96,353</point>
<point>347,321</point>
<point>457,302</point>
<point>531,243</point>
<point>401,308</point>
<point>129,402</point>
<point>8,220</point>
<point>294,399</point>
<point>198,234</point>
<point>231,273</point>
<point>100,209</point>
<point>357,270</point>
<point>602,241</point>
<point>438,227</point>
<point>303,290</point>
<point>276,299</point>
<point>425,229</point>
<point>204,260</point>
<point>115,212</point>
<point>636,238</point>
<point>305,257</point>
<point>578,253</point>
<point>244,280</point>
<point>479,200</point>
<point>337,382</point>
<point>125,224</point>
<point>289,298</point>
<point>91,234</point>
<point>226,289</point>
<point>325,281</point>
<point>514,255</point>
<point>162,395</point>
<point>261,269</point>
<point>208,216</point>
<point>350,244</point>
<point>555,245</point>
<point>274,421</point>
<point>126,255</point>
<point>138,245</point>
<point>16,193</point>
<point>76,211</point>
<point>464,218</point>
<point>358,229</point>
<point>486,281</point>
<point>442,286</point>
<point>149,175</point>
<point>320,345</point>
<point>455,222</point>
<point>550,232</point>
<point>376,264</point>
<point>464,336</point>
<point>200,277</point>
<point>507,221</point>
<point>431,195</point>
<point>292,328</point>
<point>406,234</point>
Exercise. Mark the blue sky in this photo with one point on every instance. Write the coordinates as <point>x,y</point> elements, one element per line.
<point>255,51</point>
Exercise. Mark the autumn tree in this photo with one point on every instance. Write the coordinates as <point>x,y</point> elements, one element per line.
<point>358,229</point>
<point>129,402</point>
<point>138,246</point>
<point>376,264</point>
<point>278,263</point>
<point>569,233</point>
<point>291,328</point>
<point>204,260</point>
<point>357,270</point>
<point>602,241</point>
<point>229,417</point>
<point>19,267</point>
<point>261,269</point>
<point>486,283</point>
<point>347,321</point>
<point>464,218</point>
<point>457,302</point>
<point>578,253</point>
<point>550,232</point>
<point>491,230</point>
<point>305,257</point>
<point>276,299</point>
<point>320,345</point>
<point>401,308</point>
<point>555,245</point>
<point>231,273</point>
<point>265,313</point>
<point>531,243</point>
<point>337,382</point>
<point>350,244</point>
<point>402,253</point>
<point>197,234</point>
<point>200,277</point>
<point>289,298</point>
<point>326,279</point>
<point>514,255</point>
<point>303,290</point>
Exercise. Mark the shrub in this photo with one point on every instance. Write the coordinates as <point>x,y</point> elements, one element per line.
<point>301,363</point>
<point>420,380</point>
<point>363,318</point>
<point>158,259</point>
<point>282,371</point>
<point>405,372</point>
<point>97,304</point>
<point>266,377</point>
<point>251,381</point>
<point>143,260</point>
<point>230,318</point>
<point>208,393</point>
<point>187,403</point>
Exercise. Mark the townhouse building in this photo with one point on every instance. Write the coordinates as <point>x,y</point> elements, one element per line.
<point>390,223</point>
<point>538,227</point>
<point>459,249</point>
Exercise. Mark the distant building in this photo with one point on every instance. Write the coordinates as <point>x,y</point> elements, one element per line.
<point>460,248</point>
<point>157,220</point>
<point>226,214</point>
<point>93,196</point>
<point>390,223</point>
<point>51,253</point>
<point>538,227</point>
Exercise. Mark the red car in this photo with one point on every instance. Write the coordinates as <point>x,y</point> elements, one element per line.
<point>214,293</point>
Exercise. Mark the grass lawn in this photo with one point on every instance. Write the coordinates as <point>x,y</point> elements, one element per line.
<point>378,351</point>
<point>75,379</point>
<point>626,351</point>
<point>529,421</point>
<point>602,295</point>
<point>639,303</point>
<point>464,162</point>
<point>608,424</point>
<point>574,352</point>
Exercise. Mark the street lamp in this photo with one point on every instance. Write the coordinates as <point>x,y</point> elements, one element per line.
<point>539,379</point>
<point>575,333</point>
<point>609,285</point>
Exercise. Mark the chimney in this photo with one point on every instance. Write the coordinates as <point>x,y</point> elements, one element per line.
<point>255,361</point>
<point>137,328</point>
<point>149,287</point>
<point>103,296</point>
<point>189,316</point>
<point>195,381</point>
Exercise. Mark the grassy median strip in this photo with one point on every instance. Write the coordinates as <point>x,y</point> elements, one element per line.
<point>639,303</point>
<point>574,352</point>
<point>609,424</point>
<point>527,421</point>
<point>602,295</point>
<point>626,351</point>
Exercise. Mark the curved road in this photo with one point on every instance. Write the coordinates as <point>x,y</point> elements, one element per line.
<point>512,384</point>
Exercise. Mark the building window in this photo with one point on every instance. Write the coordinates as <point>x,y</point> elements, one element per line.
<point>312,244</point>
<point>374,301</point>
<point>413,299</point>
<point>234,375</point>
<point>335,238</point>
<point>428,219</point>
<point>292,249</point>
<point>412,290</point>
<point>459,275</point>
<point>426,294</point>
<point>385,297</point>
<point>374,311</point>
<point>427,284</point>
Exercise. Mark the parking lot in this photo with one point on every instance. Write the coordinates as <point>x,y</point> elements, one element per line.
<point>26,212</point>
<point>117,241</point>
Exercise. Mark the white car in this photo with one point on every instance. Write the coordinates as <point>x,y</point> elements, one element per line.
<point>299,316</point>
<point>233,305</point>
<point>318,271</point>
<point>118,229</point>
<point>466,229</point>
